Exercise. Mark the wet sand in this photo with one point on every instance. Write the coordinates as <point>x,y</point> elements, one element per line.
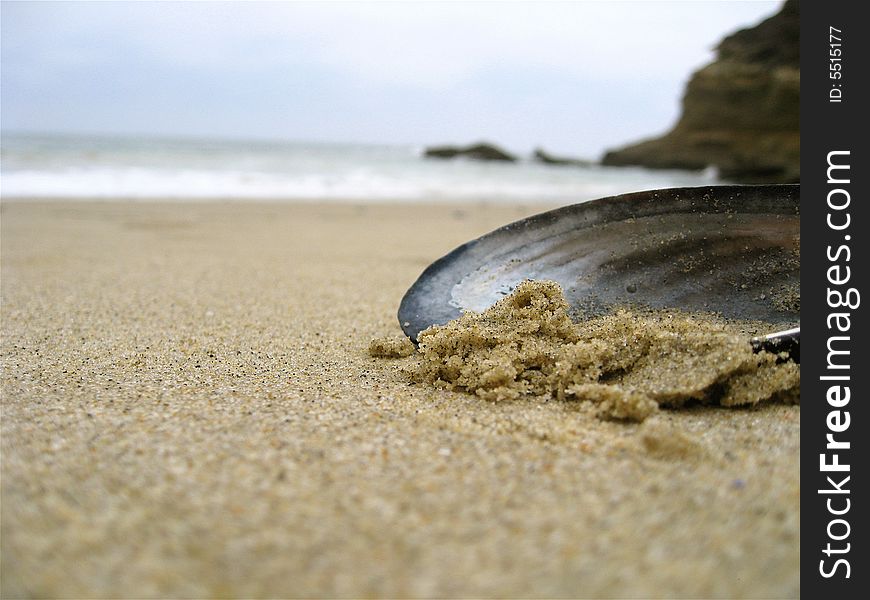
<point>189,409</point>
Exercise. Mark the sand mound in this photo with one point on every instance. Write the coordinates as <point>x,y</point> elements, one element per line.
<point>627,364</point>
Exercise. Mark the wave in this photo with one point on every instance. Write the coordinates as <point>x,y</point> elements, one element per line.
<point>83,168</point>
<point>358,184</point>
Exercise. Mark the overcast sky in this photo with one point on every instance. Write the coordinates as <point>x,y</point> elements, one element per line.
<point>574,77</point>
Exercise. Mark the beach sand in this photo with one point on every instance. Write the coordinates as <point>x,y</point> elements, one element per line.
<point>189,409</point>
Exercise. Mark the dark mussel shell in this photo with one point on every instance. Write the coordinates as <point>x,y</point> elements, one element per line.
<point>734,250</point>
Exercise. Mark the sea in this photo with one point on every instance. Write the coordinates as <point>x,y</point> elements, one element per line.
<point>66,167</point>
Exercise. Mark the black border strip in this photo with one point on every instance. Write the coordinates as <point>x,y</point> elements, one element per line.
<point>833,100</point>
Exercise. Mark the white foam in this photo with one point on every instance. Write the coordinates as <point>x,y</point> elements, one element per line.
<point>149,170</point>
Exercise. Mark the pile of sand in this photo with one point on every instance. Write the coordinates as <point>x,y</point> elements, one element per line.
<point>627,364</point>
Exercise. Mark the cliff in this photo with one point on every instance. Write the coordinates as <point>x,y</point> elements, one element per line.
<point>740,113</point>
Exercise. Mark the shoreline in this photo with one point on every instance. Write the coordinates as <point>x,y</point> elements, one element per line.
<point>157,201</point>
<point>189,408</point>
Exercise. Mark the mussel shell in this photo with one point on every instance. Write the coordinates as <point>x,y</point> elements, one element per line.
<point>734,250</point>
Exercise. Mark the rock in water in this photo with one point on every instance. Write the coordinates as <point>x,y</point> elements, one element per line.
<point>542,156</point>
<point>741,113</point>
<point>482,151</point>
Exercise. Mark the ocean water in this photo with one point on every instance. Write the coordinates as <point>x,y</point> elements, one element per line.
<point>74,167</point>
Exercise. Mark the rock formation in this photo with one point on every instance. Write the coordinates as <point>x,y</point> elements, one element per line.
<point>481,151</point>
<point>541,156</point>
<point>741,113</point>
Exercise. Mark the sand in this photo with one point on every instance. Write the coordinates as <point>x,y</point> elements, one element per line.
<point>189,408</point>
<point>625,364</point>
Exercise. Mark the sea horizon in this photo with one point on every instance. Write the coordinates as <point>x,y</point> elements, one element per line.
<point>74,166</point>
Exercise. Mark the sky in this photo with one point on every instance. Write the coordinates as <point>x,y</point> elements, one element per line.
<point>573,77</point>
